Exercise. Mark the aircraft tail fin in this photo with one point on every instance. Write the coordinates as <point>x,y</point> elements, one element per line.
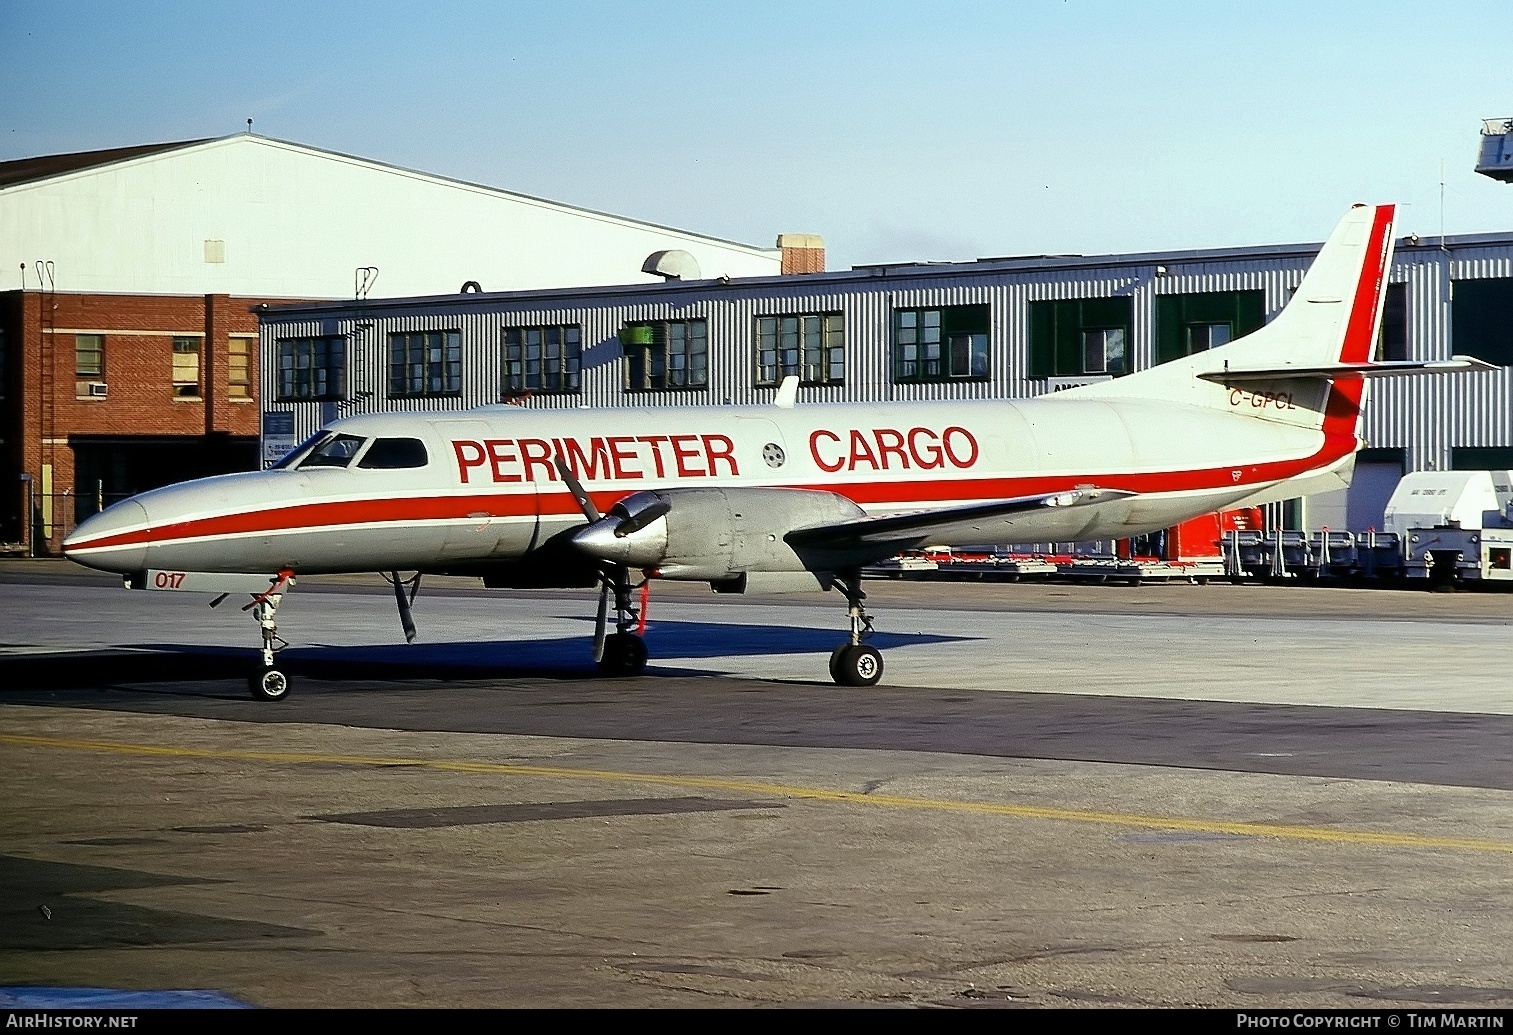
<point>1304,366</point>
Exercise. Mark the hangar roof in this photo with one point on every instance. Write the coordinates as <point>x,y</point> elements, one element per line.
<point>45,167</point>
<point>42,167</point>
<point>255,216</point>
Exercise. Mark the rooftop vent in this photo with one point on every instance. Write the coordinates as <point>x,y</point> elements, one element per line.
<point>672,264</point>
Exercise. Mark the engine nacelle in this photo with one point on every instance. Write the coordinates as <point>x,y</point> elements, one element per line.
<point>711,534</point>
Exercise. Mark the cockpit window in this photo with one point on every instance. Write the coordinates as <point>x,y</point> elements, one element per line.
<point>334,452</point>
<point>394,453</point>
<point>298,452</point>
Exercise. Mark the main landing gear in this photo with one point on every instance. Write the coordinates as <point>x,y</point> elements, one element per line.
<point>622,652</point>
<point>855,663</point>
<point>270,682</point>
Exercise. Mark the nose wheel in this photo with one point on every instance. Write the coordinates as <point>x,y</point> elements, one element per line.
<point>270,682</point>
<point>855,663</point>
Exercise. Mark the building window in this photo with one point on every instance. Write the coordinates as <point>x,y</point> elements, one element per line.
<point>1079,336</point>
<point>1392,343</point>
<point>312,368</point>
<point>543,359</point>
<point>186,368</point>
<point>89,355</point>
<point>425,363</point>
<point>666,354</point>
<point>1481,458</point>
<point>1103,351</point>
<point>239,368</point>
<point>1204,336</point>
<point>946,344</point>
<point>1480,325</point>
<point>1188,324</point>
<point>811,347</point>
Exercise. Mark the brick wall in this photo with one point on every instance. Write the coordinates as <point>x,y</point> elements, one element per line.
<point>140,401</point>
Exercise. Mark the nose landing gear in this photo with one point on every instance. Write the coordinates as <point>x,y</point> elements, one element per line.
<point>270,683</point>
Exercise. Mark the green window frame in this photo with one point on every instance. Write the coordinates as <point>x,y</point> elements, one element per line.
<point>312,369</point>
<point>810,346</point>
<point>425,364</point>
<point>545,359</point>
<point>666,355</point>
<point>942,344</point>
<point>1071,337</point>
<point>1192,323</point>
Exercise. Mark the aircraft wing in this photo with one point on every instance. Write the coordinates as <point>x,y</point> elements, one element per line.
<point>946,524</point>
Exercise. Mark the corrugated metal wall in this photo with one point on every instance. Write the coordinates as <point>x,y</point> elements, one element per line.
<point>1426,416</point>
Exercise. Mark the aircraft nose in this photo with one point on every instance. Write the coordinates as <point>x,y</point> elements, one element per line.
<point>109,540</point>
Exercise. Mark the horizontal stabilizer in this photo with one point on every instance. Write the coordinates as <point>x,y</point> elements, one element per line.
<point>1395,368</point>
<point>923,524</point>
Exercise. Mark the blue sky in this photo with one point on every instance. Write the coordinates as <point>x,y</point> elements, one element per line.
<point>896,130</point>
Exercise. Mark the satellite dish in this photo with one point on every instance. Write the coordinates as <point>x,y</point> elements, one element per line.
<point>672,264</point>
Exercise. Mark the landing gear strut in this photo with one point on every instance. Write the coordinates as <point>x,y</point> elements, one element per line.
<point>854,663</point>
<point>270,682</point>
<point>623,652</point>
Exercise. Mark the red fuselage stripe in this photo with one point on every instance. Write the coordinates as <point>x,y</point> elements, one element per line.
<point>560,504</point>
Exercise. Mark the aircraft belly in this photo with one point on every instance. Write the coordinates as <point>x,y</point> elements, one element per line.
<point>308,551</point>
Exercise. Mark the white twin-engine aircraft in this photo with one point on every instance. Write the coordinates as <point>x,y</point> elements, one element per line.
<point>780,497</point>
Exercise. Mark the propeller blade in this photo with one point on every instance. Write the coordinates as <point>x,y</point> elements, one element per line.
<point>601,622</point>
<point>405,618</point>
<point>585,502</point>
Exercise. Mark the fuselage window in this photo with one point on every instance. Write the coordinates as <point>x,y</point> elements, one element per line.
<point>297,453</point>
<point>391,454</point>
<point>334,452</point>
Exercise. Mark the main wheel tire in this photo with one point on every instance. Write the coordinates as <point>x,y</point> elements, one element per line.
<point>835,662</point>
<point>624,655</point>
<point>269,684</point>
<point>857,665</point>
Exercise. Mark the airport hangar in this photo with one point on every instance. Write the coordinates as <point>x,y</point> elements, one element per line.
<point>993,328</point>
<point>127,341</point>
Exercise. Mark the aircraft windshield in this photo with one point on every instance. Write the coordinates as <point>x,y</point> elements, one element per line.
<point>337,451</point>
<point>290,458</point>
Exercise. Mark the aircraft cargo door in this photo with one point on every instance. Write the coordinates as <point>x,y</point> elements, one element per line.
<point>495,510</point>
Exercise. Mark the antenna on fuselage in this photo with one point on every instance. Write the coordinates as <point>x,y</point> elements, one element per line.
<point>788,393</point>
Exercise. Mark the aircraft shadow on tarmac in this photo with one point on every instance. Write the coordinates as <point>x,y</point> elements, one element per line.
<point>564,657</point>
<point>572,655</point>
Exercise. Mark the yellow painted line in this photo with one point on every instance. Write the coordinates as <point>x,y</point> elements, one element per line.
<point>770,790</point>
